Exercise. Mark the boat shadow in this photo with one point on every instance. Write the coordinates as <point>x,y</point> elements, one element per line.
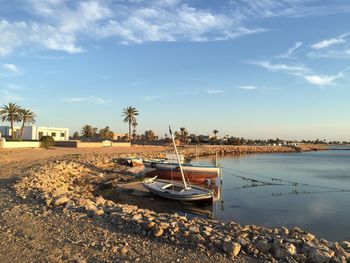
<point>135,194</point>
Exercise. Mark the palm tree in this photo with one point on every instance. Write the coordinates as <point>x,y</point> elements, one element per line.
<point>76,135</point>
<point>106,133</point>
<point>27,116</point>
<point>10,113</point>
<point>183,134</point>
<point>87,131</point>
<point>149,135</point>
<point>215,132</point>
<point>129,114</point>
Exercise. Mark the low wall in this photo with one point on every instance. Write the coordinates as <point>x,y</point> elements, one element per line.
<point>15,144</point>
<point>79,144</point>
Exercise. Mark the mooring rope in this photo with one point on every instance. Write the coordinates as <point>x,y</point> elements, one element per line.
<point>287,182</point>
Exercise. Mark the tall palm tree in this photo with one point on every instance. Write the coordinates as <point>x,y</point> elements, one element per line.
<point>129,115</point>
<point>10,113</point>
<point>87,131</point>
<point>215,132</point>
<point>27,116</point>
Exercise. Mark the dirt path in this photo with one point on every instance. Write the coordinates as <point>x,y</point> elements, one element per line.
<point>30,233</point>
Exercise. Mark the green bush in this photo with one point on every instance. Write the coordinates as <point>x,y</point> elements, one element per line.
<point>47,142</point>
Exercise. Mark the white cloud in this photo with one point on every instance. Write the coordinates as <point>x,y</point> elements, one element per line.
<point>9,70</point>
<point>62,25</point>
<point>67,26</point>
<point>247,87</point>
<point>91,99</point>
<point>327,43</point>
<point>10,96</point>
<point>279,67</point>
<point>323,80</point>
<point>151,98</point>
<point>11,67</point>
<point>330,42</point>
<point>214,91</point>
<point>291,50</point>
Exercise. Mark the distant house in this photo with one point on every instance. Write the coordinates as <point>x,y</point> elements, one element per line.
<point>204,138</point>
<point>36,132</point>
<point>120,136</point>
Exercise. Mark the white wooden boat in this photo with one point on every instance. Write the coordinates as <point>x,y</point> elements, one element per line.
<point>176,191</point>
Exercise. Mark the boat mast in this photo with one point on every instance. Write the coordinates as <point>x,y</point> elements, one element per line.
<point>178,159</point>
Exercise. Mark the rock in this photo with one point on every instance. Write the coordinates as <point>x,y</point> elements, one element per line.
<point>137,217</point>
<point>157,231</point>
<point>100,200</point>
<point>285,231</point>
<point>317,255</point>
<point>207,229</point>
<point>149,225</point>
<point>124,250</point>
<point>164,225</point>
<point>345,245</point>
<point>194,229</point>
<point>283,250</point>
<point>61,200</point>
<point>109,203</point>
<point>99,212</point>
<point>263,246</point>
<point>230,247</point>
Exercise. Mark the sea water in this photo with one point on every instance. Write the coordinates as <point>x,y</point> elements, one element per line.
<point>310,190</point>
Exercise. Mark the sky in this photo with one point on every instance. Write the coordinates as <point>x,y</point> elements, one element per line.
<point>248,68</point>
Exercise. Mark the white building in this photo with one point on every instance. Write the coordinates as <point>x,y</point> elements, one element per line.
<point>36,132</point>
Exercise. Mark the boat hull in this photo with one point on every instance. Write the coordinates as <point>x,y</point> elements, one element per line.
<point>194,174</point>
<point>195,194</point>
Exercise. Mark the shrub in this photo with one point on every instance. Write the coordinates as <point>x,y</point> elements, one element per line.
<point>47,142</point>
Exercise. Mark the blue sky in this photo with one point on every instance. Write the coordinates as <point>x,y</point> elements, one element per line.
<point>257,69</point>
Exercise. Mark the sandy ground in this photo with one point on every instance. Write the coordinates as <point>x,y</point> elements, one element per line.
<point>34,154</point>
<point>30,233</point>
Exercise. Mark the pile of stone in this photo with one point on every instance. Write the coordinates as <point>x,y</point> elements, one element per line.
<point>68,185</point>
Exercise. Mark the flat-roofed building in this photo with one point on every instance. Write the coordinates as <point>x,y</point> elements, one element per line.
<point>36,132</point>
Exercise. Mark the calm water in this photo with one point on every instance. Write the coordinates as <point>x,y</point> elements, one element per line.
<point>323,210</point>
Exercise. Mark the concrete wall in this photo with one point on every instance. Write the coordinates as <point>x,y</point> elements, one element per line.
<point>79,144</point>
<point>9,144</point>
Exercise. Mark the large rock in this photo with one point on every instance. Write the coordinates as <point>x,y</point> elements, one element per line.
<point>61,200</point>
<point>230,247</point>
<point>263,246</point>
<point>284,250</point>
<point>100,200</point>
<point>194,229</point>
<point>157,231</point>
<point>345,245</point>
<point>317,255</point>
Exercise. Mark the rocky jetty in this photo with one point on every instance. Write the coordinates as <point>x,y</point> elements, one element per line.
<point>191,151</point>
<point>69,183</point>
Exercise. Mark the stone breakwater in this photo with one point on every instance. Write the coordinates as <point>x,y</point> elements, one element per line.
<point>69,185</point>
<point>245,149</point>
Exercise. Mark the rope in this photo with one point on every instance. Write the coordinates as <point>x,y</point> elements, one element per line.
<point>290,183</point>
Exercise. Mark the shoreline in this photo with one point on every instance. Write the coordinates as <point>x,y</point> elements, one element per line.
<point>67,185</point>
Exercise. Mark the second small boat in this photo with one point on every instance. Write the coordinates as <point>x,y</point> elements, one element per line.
<point>194,173</point>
